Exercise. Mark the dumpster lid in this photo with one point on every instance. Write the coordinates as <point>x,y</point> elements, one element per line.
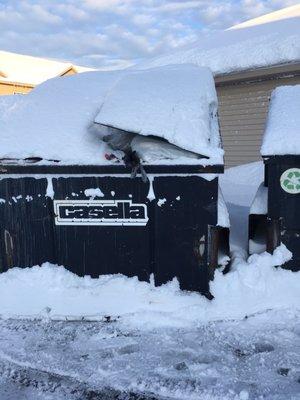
<point>177,103</point>
<point>282,133</point>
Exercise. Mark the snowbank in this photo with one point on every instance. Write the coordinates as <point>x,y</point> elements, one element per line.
<point>53,292</point>
<point>177,103</point>
<point>282,134</point>
<point>269,42</point>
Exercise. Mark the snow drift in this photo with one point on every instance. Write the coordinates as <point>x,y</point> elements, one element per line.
<point>53,292</point>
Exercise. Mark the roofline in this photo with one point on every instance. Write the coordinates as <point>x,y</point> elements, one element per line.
<point>12,83</point>
<point>260,73</point>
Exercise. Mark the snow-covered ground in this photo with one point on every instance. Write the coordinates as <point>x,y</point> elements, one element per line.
<point>136,341</point>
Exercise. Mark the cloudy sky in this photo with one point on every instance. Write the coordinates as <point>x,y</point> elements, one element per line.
<point>117,33</point>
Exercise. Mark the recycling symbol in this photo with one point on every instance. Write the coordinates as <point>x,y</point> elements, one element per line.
<point>290,181</point>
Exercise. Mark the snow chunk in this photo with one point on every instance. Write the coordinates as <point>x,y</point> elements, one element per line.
<point>282,134</point>
<point>151,194</point>
<point>177,103</point>
<point>259,205</point>
<point>161,202</point>
<point>50,190</point>
<point>93,193</point>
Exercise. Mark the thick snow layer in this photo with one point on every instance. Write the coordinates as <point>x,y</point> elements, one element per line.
<point>282,134</point>
<point>177,103</point>
<point>51,291</point>
<point>52,121</point>
<point>56,120</point>
<point>246,46</point>
<point>8,104</point>
<point>259,205</point>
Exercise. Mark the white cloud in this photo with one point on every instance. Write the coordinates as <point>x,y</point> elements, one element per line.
<point>116,33</point>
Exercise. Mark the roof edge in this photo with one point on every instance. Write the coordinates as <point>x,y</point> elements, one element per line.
<point>259,73</point>
<point>14,83</point>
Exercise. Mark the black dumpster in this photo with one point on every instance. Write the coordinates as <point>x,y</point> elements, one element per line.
<point>275,213</point>
<point>281,222</point>
<point>109,173</point>
<point>97,220</point>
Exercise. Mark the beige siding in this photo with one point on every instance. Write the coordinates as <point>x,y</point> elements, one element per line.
<point>243,109</point>
<point>11,88</point>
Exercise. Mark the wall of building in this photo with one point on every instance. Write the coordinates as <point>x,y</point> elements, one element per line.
<point>243,108</point>
<point>9,88</point>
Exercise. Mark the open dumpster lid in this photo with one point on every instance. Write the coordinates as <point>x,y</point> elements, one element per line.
<point>282,133</point>
<point>54,123</point>
<point>177,103</point>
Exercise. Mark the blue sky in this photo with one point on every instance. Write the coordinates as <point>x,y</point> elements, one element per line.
<point>116,33</point>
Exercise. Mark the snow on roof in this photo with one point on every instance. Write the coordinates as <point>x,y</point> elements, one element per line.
<point>262,42</point>
<point>288,12</point>
<point>53,121</point>
<point>177,103</point>
<point>32,70</point>
<point>282,133</point>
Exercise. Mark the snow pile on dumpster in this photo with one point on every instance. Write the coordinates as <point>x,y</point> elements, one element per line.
<point>52,121</point>
<point>177,105</point>
<point>282,134</point>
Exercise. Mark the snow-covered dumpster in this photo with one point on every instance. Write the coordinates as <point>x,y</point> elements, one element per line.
<point>109,173</point>
<point>275,212</point>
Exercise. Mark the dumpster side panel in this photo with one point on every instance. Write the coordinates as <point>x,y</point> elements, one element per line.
<point>181,229</point>
<point>281,203</point>
<point>94,250</point>
<point>284,206</point>
<point>26,223</point>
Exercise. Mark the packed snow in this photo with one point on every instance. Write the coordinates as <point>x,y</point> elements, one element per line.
<point>275,40</point>
<point>282,135</point>
<point>177,103</point>
<point>55,121</point>
<point>53,292</point>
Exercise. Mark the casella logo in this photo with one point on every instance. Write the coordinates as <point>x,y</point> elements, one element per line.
<point>100,212</point>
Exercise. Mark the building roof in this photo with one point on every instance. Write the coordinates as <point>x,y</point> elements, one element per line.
<point>19,68</point>
<point>273,39</point>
